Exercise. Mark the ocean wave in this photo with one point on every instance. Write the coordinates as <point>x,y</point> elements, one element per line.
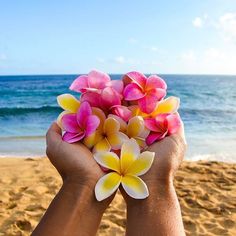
<point>5,111</point>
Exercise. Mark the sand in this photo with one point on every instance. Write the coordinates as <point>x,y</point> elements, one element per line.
<point>206,190</point>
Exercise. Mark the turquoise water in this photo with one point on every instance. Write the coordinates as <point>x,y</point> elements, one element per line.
<point>208,108</point>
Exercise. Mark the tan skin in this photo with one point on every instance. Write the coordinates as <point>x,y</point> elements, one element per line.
<point>75,211</point>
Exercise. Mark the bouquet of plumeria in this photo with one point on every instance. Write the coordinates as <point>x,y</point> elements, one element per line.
<point>117,120</point>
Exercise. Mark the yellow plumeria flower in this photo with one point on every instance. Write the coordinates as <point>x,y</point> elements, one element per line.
<point>136,129</point>
<point>106,137</point>
<point>125,171</point>
<point>168,105</point>
<point>68,103</point>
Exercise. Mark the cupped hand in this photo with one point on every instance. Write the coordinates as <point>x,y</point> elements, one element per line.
<point>169,153</point>
<point>74,162</point>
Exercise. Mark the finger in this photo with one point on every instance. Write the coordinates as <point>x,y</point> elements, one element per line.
<point>53,134</point>
<point>181,131</point>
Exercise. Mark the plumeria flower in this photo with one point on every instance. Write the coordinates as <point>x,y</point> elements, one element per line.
<point>69,104</point>
<point>106,137</point>
<point>168,105</point>
<point>124,170</point>
<point>108,100</point>
<point>79,125</point>
<point>136,129</point>
<point>162,126</point>
<point>95,81</point>
<point>146,91</point>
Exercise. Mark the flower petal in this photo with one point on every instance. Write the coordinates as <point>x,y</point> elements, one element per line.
<point>118,85</point>
<point>60,117</point>
<point>111,126</point>
<point>133,92</point>
<point>68,102</point>
<point>79,83</point>
<point>142,164</point>
<point>153,137</point>
<point>83,113</point>
<point>129,153</point>
<point>155,81</point>
<point>101,115</point>
<point>107,185</point>
<point>123,124</point>
<point>92,122</point>
<point>98,79</point>
<point>135,126</point>
<point>102,145</point>
<point>108,159</point>
<point>168,105</point>
<point>70,124</point>
<point>109,98</point>
<point>148,103</point>
<point>174,123</point>
<point>134,187</point>
<point>93,139</point>
<point>93,98</point>
<point>151,124</point>
<point>138,78</point>
<point>116,140</point>
<point>72,137</point>
<point>122,111</point>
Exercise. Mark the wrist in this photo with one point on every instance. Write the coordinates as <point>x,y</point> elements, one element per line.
<point>83,194</point>
<point>158,190</point>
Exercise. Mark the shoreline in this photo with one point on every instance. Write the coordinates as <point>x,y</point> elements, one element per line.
<point>206,191</point>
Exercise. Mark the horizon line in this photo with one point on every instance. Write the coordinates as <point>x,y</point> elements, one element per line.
<point>51,74</point>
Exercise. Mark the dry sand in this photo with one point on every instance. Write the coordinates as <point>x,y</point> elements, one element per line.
<point>206,190</point>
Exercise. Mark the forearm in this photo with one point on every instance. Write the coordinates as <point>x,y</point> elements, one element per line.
<point>159,214</point>
<point>74,211</point>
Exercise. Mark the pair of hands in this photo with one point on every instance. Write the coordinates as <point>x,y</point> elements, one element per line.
<point>76,165</point>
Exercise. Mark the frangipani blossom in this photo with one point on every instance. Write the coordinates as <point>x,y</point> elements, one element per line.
<point>136,129</point>
<point>69,104</point>
<point>125,171</point>
<point>95,81</point>
<point>108,100</point>
<point>168,105</point>
<point>107,137</point>
<point>146,91</point>
<point>162,126</point>
<point>79,125</point>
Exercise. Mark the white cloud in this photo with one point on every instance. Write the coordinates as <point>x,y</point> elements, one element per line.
<point>227,26</point>
<point>207,61</point>
<point>198,22</point>
<point>120,59</point>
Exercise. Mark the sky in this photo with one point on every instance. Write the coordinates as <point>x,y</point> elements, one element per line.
<point>152,36</point>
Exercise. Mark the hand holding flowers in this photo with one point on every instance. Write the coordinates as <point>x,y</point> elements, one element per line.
<point>116,120</point>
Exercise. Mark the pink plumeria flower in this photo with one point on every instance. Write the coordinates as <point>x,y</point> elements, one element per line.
<point>79,125</point>
<point>95,81</point>
<point>162,126</point>
<point>109,100</point>
<point>146,91</point>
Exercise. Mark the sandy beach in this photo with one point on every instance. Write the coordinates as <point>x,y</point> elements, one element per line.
<point>206,190</point>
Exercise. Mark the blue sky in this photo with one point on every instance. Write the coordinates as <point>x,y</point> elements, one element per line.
<point>53,37</point>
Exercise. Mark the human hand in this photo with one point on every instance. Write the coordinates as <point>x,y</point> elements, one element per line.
<point>74,162</point>
<point>169,154</point>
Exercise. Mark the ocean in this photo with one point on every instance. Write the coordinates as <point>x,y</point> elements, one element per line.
<point>208,108</point>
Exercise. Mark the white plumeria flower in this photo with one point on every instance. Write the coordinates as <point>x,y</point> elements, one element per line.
<point>125,171</point>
